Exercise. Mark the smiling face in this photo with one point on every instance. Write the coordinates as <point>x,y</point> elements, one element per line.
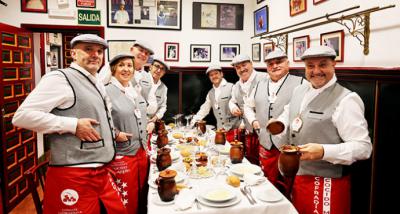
<point>244,70</point>
<point>277,68</point>
<point>215,77</point>
<point>123,70</point>
<point>141,56</point>
<point>157,70</point>
<point>319,70</point>
<point>88,55</point>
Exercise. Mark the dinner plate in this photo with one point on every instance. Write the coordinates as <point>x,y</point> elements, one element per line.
<point>179,178</point>
<point>204,172</point>
<point>157,200</point>
<point>269,195</point>
<point>223,149</point>
<point>218,194</point>
<point>229,203</point>
<point>242,168</point>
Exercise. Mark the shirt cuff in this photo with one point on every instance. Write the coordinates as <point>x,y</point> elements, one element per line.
<point>330,151</point>
<point>70,124</point>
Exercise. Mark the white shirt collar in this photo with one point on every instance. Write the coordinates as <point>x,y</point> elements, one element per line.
<point>84,71</point>
<point>223,82</point>
<point>327,85</point>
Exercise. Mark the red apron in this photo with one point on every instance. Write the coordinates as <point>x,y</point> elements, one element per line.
<point>252,148</point>
<point>269,163</point>
<point>313,194</point>
<point>231,135</point>
<point>79,190</point>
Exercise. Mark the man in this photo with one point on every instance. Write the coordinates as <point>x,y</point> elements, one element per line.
<point>159,89</point>
<point>71,106</point>
<point>218,99</point>
<point>248,79</point>
<point>267,102</point>
<point>327,123</point>
<point>121,16</point>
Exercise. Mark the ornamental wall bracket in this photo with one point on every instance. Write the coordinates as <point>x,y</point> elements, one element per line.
<point>280,41</point>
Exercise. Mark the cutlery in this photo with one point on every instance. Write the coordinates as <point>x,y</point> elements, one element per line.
<point>245,194</point>
<point>248,190</point>
<point>197,204</point>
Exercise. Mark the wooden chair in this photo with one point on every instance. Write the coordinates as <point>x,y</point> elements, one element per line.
<point>40,172</point>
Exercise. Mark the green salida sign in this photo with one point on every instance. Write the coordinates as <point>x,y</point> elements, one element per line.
<point>89,17</point>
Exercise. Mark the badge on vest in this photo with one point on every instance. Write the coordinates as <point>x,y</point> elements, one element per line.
<point>216,105</point>
<point>272,98</point>
<point>138,113</point>
<point>297,123</point>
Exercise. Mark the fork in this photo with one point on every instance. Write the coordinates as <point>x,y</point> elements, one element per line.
<point>248,190</point>
<point>245,194</point>
<point>197,204</point>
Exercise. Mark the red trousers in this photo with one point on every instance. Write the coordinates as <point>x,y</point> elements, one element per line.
<point>269,163</point>
<point>79,190</point>
<point>313,194</point>
<point>252,148</point>
<point>131,179</point>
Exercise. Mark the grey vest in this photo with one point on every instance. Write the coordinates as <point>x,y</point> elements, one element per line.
<point>317,127</point>
<point>125,120</point>
<point>223,115</point>
<point>266,110</point>
<point>67,149</point>
<point>160,96</point>
<point>239,94</point>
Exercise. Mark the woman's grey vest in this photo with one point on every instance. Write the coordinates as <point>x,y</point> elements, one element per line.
<point>223,115</point>
<point>317,127</point>
<point>125,120</point>
<point>67,149</point>
<point>266,110</point>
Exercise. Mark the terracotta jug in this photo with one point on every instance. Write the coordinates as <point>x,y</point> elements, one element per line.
<point>162,138</point>
<point>163,160</point>
<point>166,185</point>
<point>236,152</point>
<point>289,160</point>
<point>275,127</point>
<point>159,125</point>
<point>220,137</point>
<point>201,126</point>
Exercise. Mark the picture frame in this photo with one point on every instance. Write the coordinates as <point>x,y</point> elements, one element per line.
<point>335,40</point>
<point>228,51</point>
<point>86,3</point>
<point>222,16</point>
<point>145,14</point>
<point>317,1</point>
<point>261,21</point>
<point>200,53</point>
<point>256,52</point>
<point>297,6</point>
<point>268,47</point>
<point>171,51</point>
<point>34,6</point>
<point>55,57</point>
<point>116,47</point>
<point>300,44</point>
<point>259,1</point>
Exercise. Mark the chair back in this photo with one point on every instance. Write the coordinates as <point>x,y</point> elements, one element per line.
<point>37,173</point>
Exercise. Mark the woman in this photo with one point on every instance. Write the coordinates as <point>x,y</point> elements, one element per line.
<point>129,116</point>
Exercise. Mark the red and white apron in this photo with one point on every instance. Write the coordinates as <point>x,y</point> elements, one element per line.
<point>269,163</point>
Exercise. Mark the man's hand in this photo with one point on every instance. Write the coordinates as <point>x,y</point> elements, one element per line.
<point>123,136</point>
<point>256,124</point>
<point>150,127</point>
<point>85,130</point>
<point>236,112</point>
<point>153,119</point>
<point>311,151</point>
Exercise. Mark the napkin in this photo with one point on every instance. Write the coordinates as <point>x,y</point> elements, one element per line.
<point>185,199</point>
<point>252,179</point>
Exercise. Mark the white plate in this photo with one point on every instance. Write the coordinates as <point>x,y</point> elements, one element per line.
<point>242,168</point>
<point>224,149</point>
<point>229,203</point>
<point>174,156</point>
<point>218,194</point>
<point>269,195</point>
<point>157,200</point>
<point>179,178</point>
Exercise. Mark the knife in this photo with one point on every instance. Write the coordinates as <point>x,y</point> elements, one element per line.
<point>245,194</point>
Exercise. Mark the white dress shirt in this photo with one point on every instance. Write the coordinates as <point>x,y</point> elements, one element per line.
<point>159,111</point>
<point>245,86</point>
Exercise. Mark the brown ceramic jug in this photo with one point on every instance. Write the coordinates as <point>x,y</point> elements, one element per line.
<point>201,126</point>
<point>236,152</point>
<point>159,125</point>
<point>275,127</point>
<point>220,137</point>
<point>163,160</point>
<point>162,138</point>
<point>289,160</point>
<point>166,185</point>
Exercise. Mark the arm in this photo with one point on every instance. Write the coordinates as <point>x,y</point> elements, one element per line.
<point>163,107</point>
<point>233,107</point>
<point>152,101</point>
<point>203,112</point>
<point>249,113</point>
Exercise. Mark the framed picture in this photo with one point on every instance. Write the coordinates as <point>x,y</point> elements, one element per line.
<point>36,6</point>
<point>116,47</point>
<point>297,6</point>
<point>334,40</point>
<point>228,51</point>
<point>261,20</point>
<point>268,47</point>
<point>171,51</point>
<point>200,53</point>
<point>217,16</point>
<point>318,1</point>
<point>300,44</point>
<point>86,3</point>
<point>55,57</point>
<point>259,1</point>
<point>147,14</point>
<point>256,52</point>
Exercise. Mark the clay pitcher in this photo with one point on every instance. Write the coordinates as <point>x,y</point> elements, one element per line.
<point>289,160</point>
<point>220,137</point>
<point>159,125</point>
<point>236,152</point>
<point>163,160</point>
<point>162,139</point>
<point>275,127</point>
<point>201,126</point>
<point>166,185</point>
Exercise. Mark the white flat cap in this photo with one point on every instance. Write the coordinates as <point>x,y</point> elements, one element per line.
<point>240,58</point>
<point>120,56</point>
<point>162,63</point>
<point>89,38</point>
<point>275,55</point>
<point>213,67</point>
<point>144,45</point>
<point>122,2</point>
<point>318,51</point>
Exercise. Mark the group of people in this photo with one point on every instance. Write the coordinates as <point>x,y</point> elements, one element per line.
<point>98,125</point>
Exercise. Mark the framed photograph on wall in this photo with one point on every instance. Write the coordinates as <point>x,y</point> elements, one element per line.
<point>200,53</point>
<point>259,1</point>
<point>256,52</point>
<point>86,3</point>
<point>300,44</point>
<point>334,40</point>
<point>35,6</point>
<point>147,14</point>
<point>116,47</point>
<point>268,47</point>
<point>318,1</point>
<point>297,6</point>
<point>261,20</point>
<point>217,16</point>
<point>228,51</point>
<point>171,51</point>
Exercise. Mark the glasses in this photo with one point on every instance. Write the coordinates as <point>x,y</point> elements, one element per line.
<point>159,67</point>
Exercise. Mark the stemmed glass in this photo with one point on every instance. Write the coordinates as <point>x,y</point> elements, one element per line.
<point>176,117</point>
<point>188,118</point>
